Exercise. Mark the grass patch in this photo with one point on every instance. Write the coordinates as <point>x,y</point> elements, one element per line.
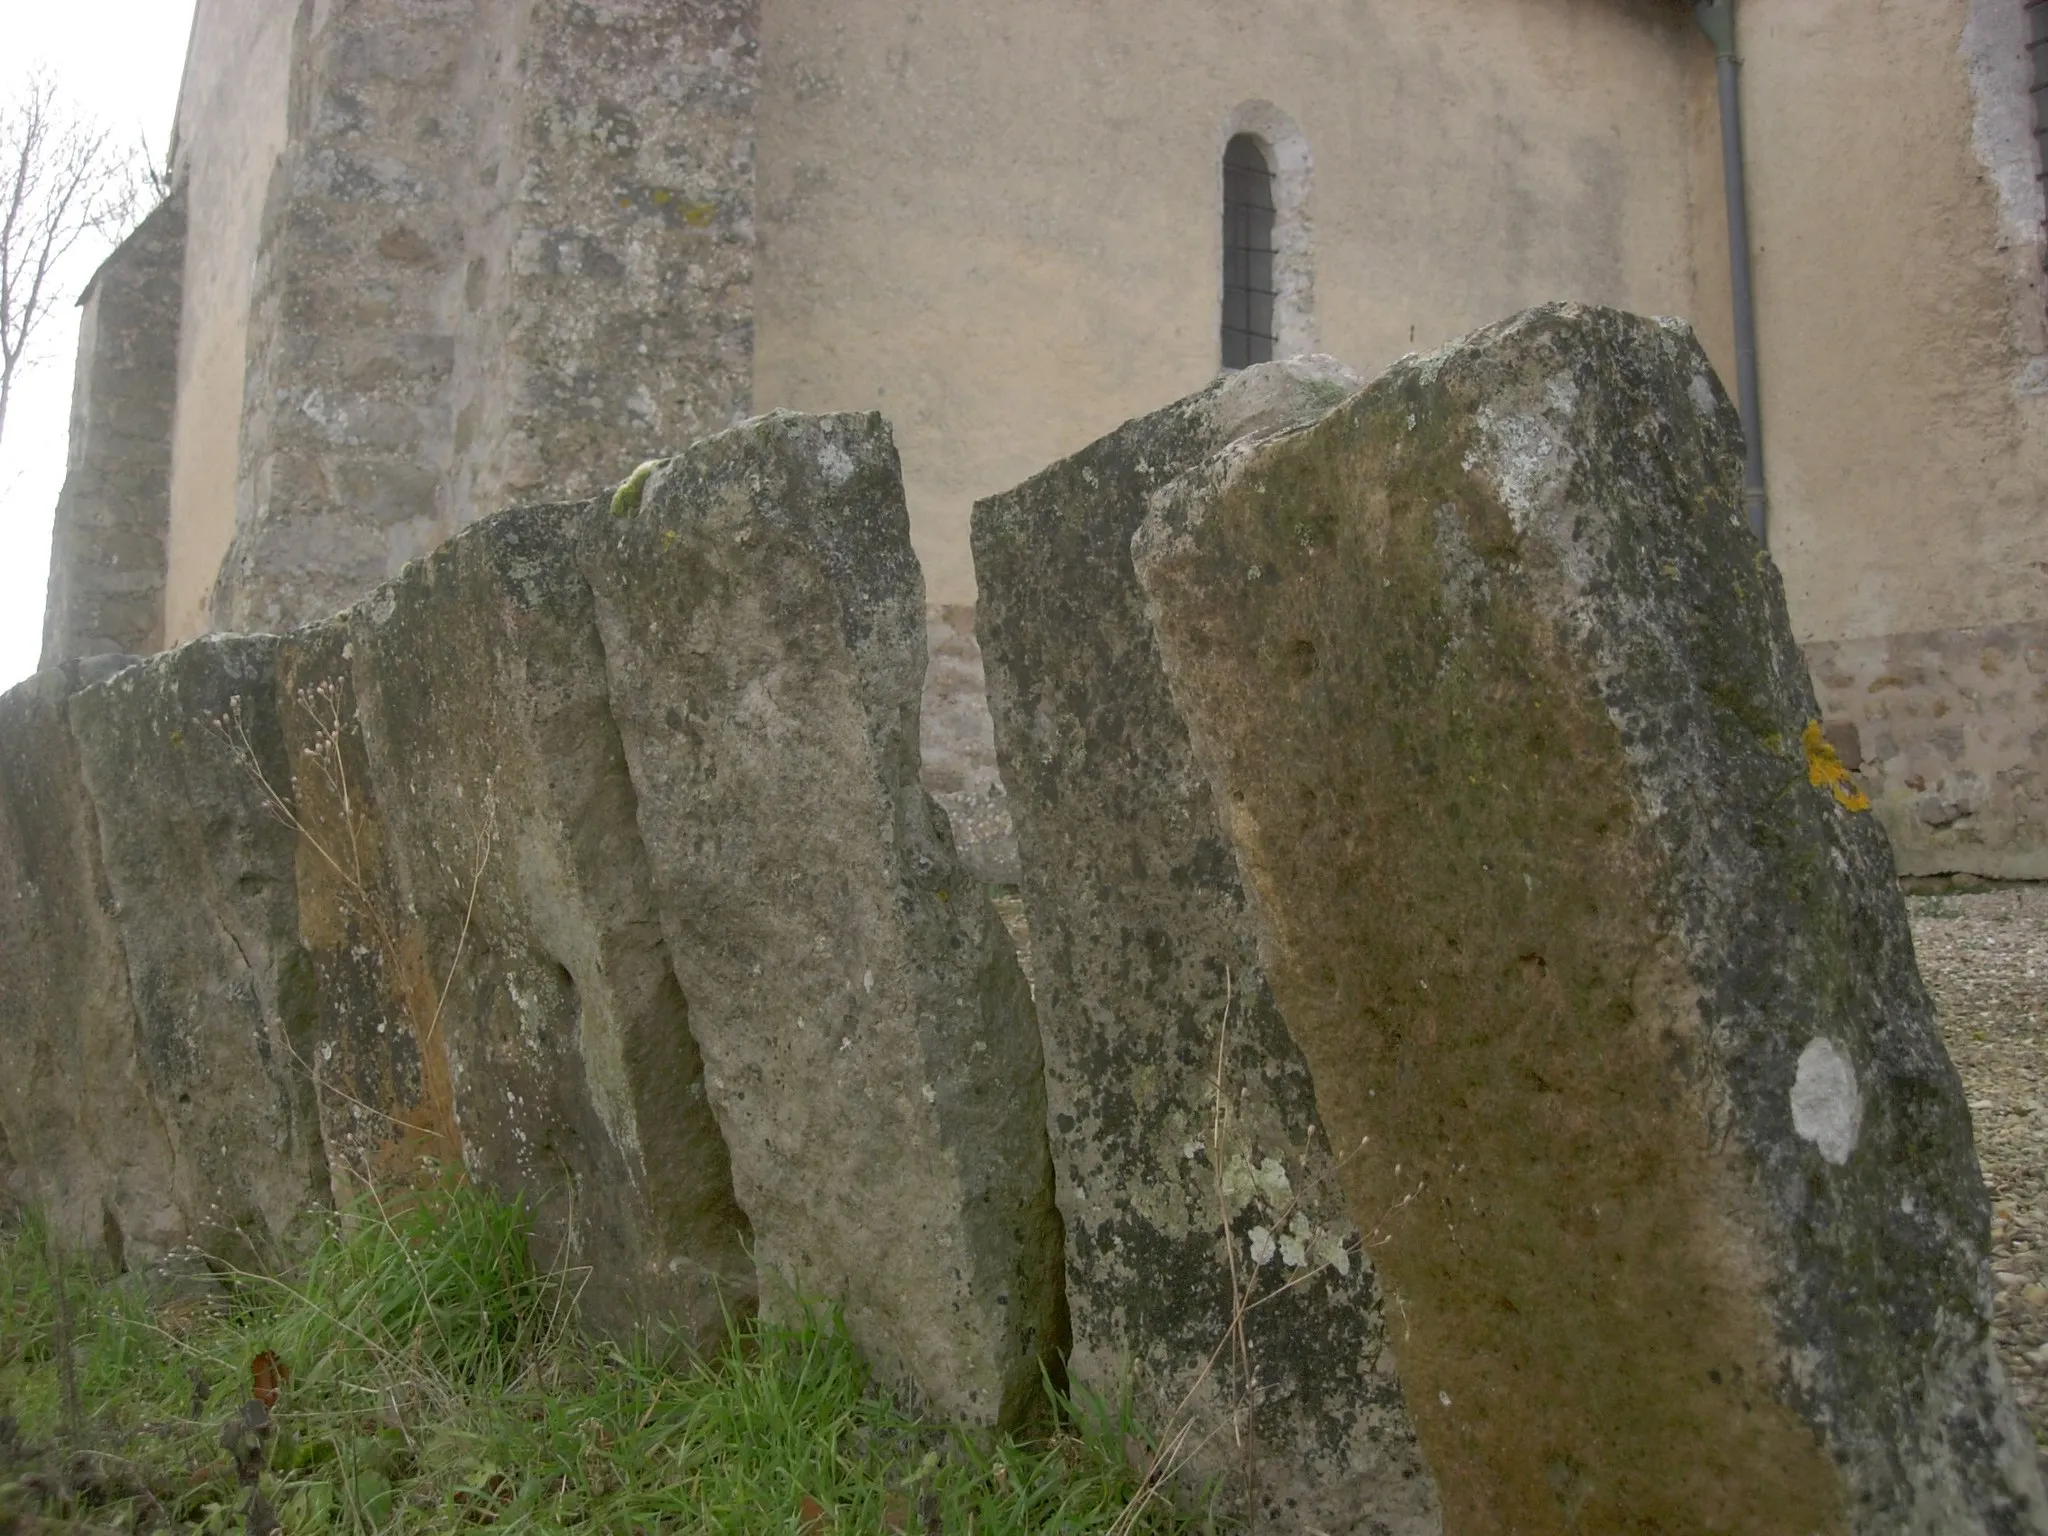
<point>418,1375</point>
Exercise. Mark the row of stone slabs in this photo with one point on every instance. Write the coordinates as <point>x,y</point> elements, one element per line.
<point>1479,1079</point>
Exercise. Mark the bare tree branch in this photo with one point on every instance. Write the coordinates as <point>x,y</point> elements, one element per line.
<point>62,179</point>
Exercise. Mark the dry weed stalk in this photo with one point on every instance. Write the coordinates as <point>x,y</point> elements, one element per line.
<point>331,725</point>
<point>1178,1445</point>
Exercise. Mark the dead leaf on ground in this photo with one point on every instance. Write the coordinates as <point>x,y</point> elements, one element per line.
<point>268,1377</point>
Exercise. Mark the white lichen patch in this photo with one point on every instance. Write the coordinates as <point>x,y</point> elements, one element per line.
<point>836,462</point>
<point>1288,1232</point>
<point>1294,1242</point>
<point>1827,1110</point>
<point>1701,392</point>
<point>1244,1182</point>
<point>1526,454</point>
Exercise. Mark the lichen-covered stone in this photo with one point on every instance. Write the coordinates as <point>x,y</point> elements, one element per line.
<point>185,763</point>
<point>86,1141</point>
<point>1590,939</point>
<point>379,1065</point>
<point>529,943</point>
<point>1174,1087</point>
<point>867,1036</point>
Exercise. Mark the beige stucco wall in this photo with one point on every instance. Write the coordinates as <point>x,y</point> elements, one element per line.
<point>998,223</point>
<point>1897,237</point>
<point>230,132</point>
<point>1908,460</point>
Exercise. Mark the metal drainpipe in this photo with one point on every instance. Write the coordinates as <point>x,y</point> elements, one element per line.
<point>1717,20</point>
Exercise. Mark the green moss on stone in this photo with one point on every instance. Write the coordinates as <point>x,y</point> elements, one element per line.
<point>626,499</point>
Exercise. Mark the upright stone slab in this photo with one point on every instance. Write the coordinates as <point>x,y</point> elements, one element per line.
<point>867,1035</point>
<point>75,1107</point>
<point>528,913</point>
<point>182,756</point>
<point>1591,941</point>
<point>380,1062</point>
<point>1153,1007</point>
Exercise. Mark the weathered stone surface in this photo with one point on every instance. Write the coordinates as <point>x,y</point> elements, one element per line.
<point>609,294</point>
<point>1153,1007</point>
<point>379,1065</point>
<point>81,1131</point>
<point>507,253</point>
<point>107,557</point>
<point>177,753</point>
<point>347,430</point>
<point>958,746</point>
<point>1951,731</point>
<point>867,1035</point>
<point>1590,940</point>
<point>529,941</point>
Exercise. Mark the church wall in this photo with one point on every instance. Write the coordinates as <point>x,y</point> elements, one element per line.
<point>230,132</point>
<point>999,224</point>
<point>607,311</point>
<point>1904,358</point>
<point>512,246</point>
<point>106,591</point>
<point>501,253</point>
<point>346,407</point>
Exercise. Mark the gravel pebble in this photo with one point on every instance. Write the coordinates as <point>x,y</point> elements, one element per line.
<point>1984,956</point>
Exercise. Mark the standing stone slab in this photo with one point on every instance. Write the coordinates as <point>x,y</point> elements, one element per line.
<point>529,906</point>
<point>74,1101</point>
<point>867,1035</point>
<point>1147,973</point>
<point>176,753</point>
<point>379,1063</point>
<point>1578,919</point>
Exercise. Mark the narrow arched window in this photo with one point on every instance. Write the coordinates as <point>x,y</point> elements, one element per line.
<point>1248,251</point>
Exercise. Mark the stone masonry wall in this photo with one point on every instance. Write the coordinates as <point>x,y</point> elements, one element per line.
<point>1948,730</point>
<point>607,310</point>
<point>507,256</point>
<point>346,420</point>
<point>107,561</point>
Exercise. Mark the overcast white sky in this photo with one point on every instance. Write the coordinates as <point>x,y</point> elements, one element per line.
<point>119,60</point>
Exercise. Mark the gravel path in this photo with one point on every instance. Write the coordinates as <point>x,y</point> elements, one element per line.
<point>1984,956</point>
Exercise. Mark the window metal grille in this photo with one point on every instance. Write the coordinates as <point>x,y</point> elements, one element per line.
<point>1248,287</point>
<point>2037,49</point>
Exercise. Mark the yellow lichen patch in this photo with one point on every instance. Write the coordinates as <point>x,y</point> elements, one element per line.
<point>1824,770</point>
